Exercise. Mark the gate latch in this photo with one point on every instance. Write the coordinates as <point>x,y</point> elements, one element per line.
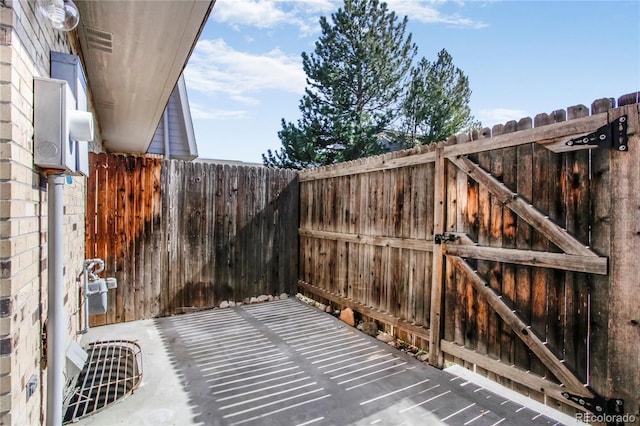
<point>612,408</point>
<point>612,135</point>
<point>443,238</point>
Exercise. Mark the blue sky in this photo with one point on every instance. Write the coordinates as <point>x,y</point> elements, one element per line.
<point>522,58</point>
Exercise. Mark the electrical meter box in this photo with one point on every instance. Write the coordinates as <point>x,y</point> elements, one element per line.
<point>53,149</point>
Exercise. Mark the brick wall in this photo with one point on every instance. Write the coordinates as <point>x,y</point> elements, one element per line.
<point>25,43</point>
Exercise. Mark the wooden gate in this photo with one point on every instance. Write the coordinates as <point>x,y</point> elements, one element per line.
<point>529,229</point>
<point>531,238</point>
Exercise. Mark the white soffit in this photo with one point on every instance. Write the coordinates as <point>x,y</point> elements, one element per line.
<point>134,52</point>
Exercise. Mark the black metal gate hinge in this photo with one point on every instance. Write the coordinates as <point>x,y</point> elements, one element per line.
<point>611,410</point>
<point>612,135</point>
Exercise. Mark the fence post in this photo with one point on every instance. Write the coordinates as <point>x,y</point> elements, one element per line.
<point>436,357</point>
<point>622,361</point>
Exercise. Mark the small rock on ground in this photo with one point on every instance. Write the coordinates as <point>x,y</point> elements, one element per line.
<point>284,296</point>
<point>385,337</point>
<point>224,304</point>
<point>232,303</point>
<point>347,316</point>
<point>422,357</point>
<point>370,328</point>
<point>262,298</point>
<point>254,300</point>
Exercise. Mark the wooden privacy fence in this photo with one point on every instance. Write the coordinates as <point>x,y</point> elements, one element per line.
<point>180,235</point>
<point>515,253</point>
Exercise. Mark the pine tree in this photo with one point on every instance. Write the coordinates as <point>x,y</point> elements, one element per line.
<point>356,79</point>
<point>437,105</point>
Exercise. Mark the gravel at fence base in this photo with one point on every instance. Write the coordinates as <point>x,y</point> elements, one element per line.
<point>252,300</point>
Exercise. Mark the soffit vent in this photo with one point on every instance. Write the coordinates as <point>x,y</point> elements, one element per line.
<point>113,370</point>
<point>99,40</point>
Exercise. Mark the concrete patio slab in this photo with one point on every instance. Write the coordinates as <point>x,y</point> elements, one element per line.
<point>160,399</point>
<point>285,363</point>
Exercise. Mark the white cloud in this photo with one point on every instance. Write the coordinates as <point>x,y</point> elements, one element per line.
<point>198,112</point>
<point>426,12</point>
<point>492,116</point>
<point>246,100</point>
<point>217,69</point>
<point>304,14</point>
<point>261,14</point>
<point>270,13</point>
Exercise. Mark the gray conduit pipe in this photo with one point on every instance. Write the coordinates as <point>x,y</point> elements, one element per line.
<point>85,298</point>
<point>167,147</point>
<point>56,335</point>
<point>88,272</point>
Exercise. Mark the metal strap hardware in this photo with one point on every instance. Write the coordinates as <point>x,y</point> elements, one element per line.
<point>608,408</point>
<point>443,238</point>
<point>612,135</point>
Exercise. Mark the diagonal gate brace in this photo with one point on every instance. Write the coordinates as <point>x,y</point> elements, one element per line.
<point>522,330</point>
<point>577,392</point>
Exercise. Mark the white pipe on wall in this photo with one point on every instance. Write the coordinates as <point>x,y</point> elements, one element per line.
<point>56,334</point>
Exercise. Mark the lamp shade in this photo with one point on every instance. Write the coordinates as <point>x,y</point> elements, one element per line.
<point>63,14</point>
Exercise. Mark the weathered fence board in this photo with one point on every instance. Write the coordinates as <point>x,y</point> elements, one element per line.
<point>181,236</point>
<point>527,286</point>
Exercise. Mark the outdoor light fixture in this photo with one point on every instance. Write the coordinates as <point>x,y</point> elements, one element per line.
<point>63,14</point>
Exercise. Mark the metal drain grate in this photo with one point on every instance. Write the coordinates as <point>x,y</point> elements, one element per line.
<point>113,371</point>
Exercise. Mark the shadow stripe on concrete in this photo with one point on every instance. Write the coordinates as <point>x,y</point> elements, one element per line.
<point>286,363</point>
